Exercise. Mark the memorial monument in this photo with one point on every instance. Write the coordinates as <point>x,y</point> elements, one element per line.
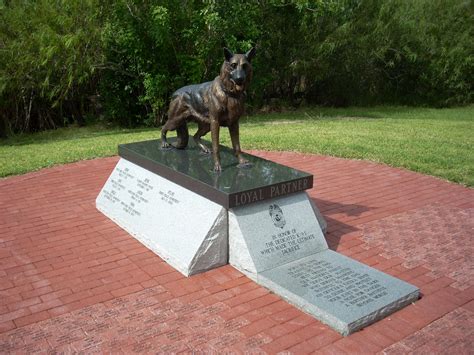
<point>212,104</point>
<point>199,213</point>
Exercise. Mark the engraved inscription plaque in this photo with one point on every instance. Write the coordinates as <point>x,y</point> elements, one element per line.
<point>126,190</point>
<point>274,232</point>
<point>279,244</point>
<point>335,283</point>
<point>150,208</point>
<point>339,291</point>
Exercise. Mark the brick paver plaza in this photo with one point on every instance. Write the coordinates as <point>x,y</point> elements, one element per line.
<point>71,280</point>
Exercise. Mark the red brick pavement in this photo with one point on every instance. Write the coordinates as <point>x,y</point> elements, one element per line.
<point>71,280</point>
<point>419,237</point>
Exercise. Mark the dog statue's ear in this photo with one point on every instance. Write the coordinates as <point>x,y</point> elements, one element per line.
<point>228,54</point>
<point>250,54</point>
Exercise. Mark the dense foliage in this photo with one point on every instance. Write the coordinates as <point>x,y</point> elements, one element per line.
<point>67,60</point>
<point>50,52</point>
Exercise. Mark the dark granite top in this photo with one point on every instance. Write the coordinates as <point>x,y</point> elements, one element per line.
<point>233,187</point>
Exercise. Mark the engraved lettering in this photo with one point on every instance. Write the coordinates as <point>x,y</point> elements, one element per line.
<point>337,284</point>
<point>248,197</point>
<point>287,242</point>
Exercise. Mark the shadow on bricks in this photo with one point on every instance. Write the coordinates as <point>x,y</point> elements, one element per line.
<point>349,209</point>
<point>337,229</point>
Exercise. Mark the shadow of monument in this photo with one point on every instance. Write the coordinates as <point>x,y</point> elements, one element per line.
<point>336,229</point>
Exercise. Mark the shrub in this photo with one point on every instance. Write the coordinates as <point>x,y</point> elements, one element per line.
<point>136,53</point>
<point>50,50</point>
<point>153,48</point>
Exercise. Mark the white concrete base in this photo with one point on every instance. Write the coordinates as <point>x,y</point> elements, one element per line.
<point>273,232</point>
<point>279,244</point>
<point>185,229</point>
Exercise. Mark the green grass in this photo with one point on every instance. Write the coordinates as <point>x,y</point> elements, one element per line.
<point>437,142</point>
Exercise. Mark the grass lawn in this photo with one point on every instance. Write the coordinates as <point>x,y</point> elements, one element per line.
<point>437,142</point>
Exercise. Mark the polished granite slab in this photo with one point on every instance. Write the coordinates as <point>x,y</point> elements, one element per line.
<point>234,186</point>
<point>152,209</point>
<point>341,292</point>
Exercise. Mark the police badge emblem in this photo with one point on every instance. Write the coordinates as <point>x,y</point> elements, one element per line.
<point>277,215</point>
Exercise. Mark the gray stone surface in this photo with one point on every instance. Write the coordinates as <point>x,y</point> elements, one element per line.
<point>339,291</point>
<point>185,229</point>
<point>288,254</point>
<point>322,222</point>
<point>271,233</point>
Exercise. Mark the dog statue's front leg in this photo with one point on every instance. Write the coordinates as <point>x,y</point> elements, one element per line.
<point>215,144</point>
<point>164,143</point>
<point>235,138</point>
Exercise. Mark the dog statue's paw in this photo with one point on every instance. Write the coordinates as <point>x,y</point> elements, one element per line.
<point>165,146</point>
<point>244,163</point>
<point>205,151</point>
<point>217,167</point>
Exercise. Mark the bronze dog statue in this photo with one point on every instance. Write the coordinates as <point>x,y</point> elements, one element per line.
<point>212,104</point>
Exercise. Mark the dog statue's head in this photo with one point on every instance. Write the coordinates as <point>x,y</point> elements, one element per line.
<point>237,70</point>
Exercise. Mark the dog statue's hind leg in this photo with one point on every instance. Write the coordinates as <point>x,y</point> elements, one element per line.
<point>183,136</point>
<point>164,141</point>
<point>203,129</point>
<point>176,121</point>
<point>168,126</point>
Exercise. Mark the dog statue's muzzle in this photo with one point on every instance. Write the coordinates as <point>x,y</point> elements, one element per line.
<point>238,77</point>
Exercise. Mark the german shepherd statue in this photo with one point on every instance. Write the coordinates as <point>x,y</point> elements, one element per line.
<point>212,104</point>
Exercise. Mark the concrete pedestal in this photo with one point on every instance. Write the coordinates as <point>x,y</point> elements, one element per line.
<point>279,244</point>
<point>187,230</point>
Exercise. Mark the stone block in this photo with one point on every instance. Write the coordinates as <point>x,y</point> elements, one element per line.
<point>279,243</point>
<point>233,187</point>
<point>185,229</point>
<point>341,292</point>
<point>271,233</point>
